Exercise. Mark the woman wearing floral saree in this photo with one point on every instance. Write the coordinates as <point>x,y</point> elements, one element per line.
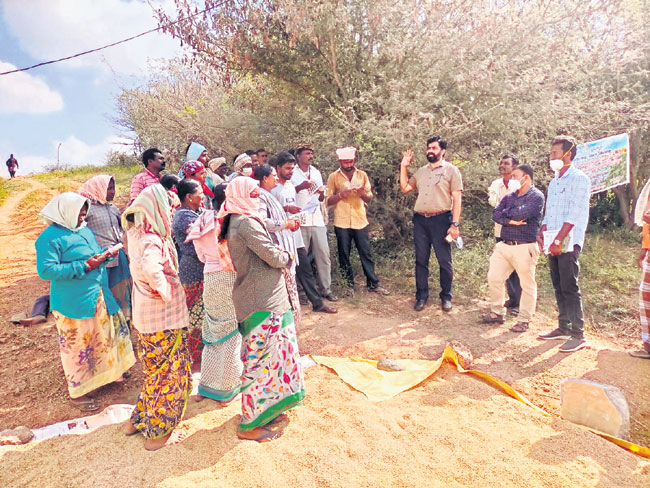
<point>94,339</point>
<point>272,381</point>
<point>159,316</point>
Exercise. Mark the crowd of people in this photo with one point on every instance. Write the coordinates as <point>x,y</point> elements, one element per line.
<point>211,267</point>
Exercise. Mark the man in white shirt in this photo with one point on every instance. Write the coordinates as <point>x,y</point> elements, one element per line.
<point>285,193</point>
<point>308,183</point>
<point>497,190</point>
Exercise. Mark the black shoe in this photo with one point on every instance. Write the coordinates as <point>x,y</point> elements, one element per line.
<point>555,335</point>
<point>331,297</point>
<point>446,305</point>
<point>419,305</point>
<point>573,344</point>
<point>303,300</point>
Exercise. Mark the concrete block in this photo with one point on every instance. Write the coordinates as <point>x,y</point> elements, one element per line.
<point>601,407</point>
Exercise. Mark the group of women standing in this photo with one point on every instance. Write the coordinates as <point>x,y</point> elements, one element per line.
<point>222,304</point>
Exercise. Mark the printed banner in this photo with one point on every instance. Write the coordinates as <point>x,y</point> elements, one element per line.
<point>606,161</point>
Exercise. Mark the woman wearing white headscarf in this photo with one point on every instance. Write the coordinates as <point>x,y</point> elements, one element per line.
<point>94,339</point>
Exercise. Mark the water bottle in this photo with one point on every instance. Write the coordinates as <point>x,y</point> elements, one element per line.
<point>459,242</point>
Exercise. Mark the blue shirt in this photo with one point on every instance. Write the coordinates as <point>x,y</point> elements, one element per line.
<point>527,207</point>
<point>61,257</point>
<point>568,201</point>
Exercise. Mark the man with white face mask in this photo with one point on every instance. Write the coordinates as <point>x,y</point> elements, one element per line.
<point>519,213</point>
<point>567,212</point>
<point>497,190</point>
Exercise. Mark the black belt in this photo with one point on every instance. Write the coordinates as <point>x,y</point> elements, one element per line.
<point>432,214</point>
<point>516,243</point>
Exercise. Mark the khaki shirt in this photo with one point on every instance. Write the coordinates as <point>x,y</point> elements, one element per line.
<point>434,187</point>
<point>349,213</point>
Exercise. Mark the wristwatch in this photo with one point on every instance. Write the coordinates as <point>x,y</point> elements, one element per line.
<point>455,224</point>
<point>557,242</point>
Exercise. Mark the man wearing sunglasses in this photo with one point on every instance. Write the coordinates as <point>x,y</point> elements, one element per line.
<point>566,219</point>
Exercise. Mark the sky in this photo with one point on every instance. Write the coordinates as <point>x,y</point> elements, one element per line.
<point>71,104</point>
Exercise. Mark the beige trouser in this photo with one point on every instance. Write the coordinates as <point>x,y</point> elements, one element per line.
<point>523,259</point>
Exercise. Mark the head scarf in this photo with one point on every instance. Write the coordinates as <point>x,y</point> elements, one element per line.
<point>641,204</point>
<point>152,212</point>
<point>190,168</point>
<point>96,188</point>
<point>216,163</point>
<point>241,161</point>
<point>209,222</point>
<point>194,151</point>
<point>64,210</point>
<point>238,198</point>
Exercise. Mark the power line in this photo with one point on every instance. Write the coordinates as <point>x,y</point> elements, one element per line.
<point>114,43</point>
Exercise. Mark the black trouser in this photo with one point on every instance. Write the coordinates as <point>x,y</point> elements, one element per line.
<point>361,238</point>
<point>307,279</point>
<point>513,287</point>
<point>41,306</point>
<point>565,269</point>
<point>427,232</point>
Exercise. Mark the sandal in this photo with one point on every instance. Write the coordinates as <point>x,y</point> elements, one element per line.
<point>87,405</point>
<point>519,327</point>
<point>642,354</point>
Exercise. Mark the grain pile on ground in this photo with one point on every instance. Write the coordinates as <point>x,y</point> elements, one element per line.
<point>452,430</point>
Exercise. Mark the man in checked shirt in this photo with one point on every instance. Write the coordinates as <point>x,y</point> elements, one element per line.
<point>520,214</point>
<point>567,216</point>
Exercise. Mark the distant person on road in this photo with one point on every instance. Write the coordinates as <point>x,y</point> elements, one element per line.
<point>94,339</point>
<point>436,217</point>
<point>12,166</point>
<point>154,163</point>
<point>105,220</point>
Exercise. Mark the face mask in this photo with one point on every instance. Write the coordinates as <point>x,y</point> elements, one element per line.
<point>247,171</point>
<point>556,164</point>
<point>514,185</point>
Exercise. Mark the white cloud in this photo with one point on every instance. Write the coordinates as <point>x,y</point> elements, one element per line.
<point>49,29</point>
<point>73,152</point>
<point>27,94</point>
